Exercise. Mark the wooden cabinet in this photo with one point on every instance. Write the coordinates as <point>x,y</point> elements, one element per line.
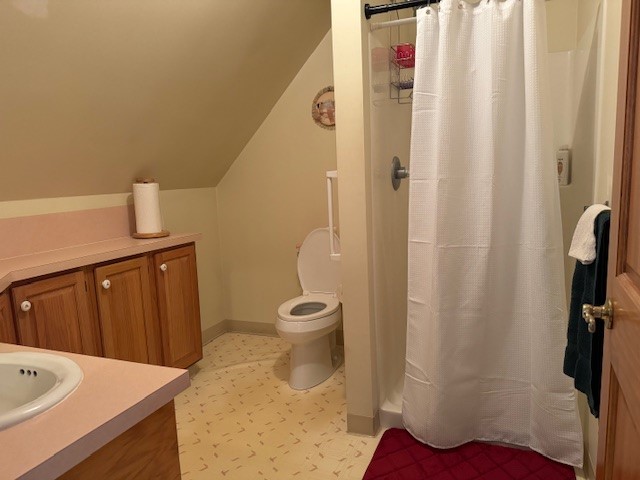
<point>126,311</point>
<point>144,309</point>
<point>7,327</point>
<point>149,449</point>
<point>178,306</point>
<point>55,313</point>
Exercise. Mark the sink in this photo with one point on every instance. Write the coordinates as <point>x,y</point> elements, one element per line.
<point>32,383</point>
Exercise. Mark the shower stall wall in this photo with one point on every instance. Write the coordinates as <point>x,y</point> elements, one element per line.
<point>391,135</point>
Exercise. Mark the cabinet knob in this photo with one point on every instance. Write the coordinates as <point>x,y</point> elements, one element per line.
<point>106,284</point>
<point>163,267</point>
<point>25,306</point>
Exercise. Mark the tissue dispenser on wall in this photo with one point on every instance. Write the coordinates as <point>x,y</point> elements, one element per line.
<point>146,203</point>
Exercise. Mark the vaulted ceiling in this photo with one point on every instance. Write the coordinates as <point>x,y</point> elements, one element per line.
<point>96,92</point>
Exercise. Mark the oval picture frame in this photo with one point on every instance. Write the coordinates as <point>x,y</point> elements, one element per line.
<point>323,109</point>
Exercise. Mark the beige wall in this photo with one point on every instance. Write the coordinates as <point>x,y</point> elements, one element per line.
<point>189,210</point>
<point>273,195</point>
<point>587,12</point>
<point>606,98</point>
<point>567,21</point>
<point>95,93</point>
<point>353,143</point>
<point>562,24</point>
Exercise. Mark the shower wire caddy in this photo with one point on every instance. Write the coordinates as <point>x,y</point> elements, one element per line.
<point>401,74</point>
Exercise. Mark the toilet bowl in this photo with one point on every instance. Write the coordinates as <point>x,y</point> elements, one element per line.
<point>309,321</point>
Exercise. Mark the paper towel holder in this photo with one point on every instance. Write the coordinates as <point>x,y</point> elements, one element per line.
<point>146,180</point>
<point>163,233</point>
<point>160,234</point>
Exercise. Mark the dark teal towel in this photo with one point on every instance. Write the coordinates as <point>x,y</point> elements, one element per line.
<point>583,355</point>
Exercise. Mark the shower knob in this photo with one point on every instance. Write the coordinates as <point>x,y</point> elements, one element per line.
<point>398,172</point>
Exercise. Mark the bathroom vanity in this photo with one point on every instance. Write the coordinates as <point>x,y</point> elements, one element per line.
<point>118,424</point>
<point>120,297</point>
<point>77,285</point>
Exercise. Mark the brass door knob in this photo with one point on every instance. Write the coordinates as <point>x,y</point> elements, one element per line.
<point>603,312</point>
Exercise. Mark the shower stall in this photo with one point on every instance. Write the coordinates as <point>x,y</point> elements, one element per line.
<point>573,64</point>
<point>391,135</point>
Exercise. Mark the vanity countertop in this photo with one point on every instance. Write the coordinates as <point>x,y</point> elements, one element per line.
<point>32,265</point>
<point>113,396</point>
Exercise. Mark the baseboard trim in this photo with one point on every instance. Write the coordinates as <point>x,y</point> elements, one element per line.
<point>363,425</point>
<point>255,328</point>
<point>213,332</point>
<point>238,326</point>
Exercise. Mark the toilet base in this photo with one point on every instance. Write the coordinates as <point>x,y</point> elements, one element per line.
<point>312,363</point>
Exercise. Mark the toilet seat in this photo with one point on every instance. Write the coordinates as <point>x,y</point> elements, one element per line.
<point>332,304</point>
<point>316,271</point>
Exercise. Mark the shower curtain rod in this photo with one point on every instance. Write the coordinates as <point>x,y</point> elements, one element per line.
<point>370,10</point>
<point>390,7</point>
<point>392,23</point>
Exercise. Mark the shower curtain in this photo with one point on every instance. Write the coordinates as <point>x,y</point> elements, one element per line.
<point>486,299</point>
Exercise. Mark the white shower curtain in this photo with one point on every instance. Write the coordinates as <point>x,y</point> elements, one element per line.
<point>486,307</point>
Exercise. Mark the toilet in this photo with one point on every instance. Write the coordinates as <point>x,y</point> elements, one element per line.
<point>309,322</point>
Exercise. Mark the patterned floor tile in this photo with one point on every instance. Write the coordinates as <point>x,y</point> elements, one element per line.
<point>241,420</point>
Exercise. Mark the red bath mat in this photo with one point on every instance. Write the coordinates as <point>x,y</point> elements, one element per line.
<point>399,456</point>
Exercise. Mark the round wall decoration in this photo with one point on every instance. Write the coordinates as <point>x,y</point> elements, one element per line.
<point>323,109</point>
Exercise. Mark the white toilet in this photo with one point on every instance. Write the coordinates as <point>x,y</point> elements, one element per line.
<point>309,321</point>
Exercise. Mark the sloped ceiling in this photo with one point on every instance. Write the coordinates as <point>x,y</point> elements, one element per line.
<point>96,92</point>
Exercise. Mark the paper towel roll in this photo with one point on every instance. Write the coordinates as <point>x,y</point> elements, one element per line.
<point>146,202</point>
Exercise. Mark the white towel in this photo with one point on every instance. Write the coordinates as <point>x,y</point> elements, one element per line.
<point>583,244</point>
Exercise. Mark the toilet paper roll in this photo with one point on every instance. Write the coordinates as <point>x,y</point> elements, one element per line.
<point>146,202</point>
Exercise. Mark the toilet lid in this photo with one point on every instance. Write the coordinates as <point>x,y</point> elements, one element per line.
<point>316,271</point>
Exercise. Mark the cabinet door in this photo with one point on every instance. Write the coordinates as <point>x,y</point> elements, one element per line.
<point>7,327</point>
<point>126,311</point>
<point>179,306</point>
<point>54,313</point>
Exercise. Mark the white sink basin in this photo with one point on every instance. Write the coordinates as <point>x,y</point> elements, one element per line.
<point>31,383</point>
